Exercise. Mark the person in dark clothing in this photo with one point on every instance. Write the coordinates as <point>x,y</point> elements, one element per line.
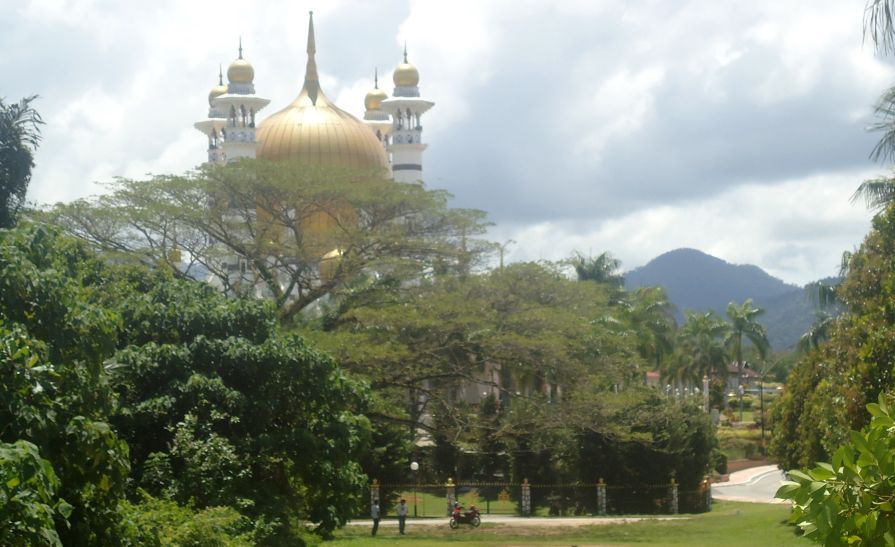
<point>374,513</point>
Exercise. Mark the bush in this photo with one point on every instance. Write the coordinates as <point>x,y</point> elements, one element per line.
<point>160,523</point>
<point>849,502</point>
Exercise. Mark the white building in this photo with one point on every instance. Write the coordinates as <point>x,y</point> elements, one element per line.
<point>315,130</point>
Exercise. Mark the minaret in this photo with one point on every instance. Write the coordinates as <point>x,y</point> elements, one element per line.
<point>240,106</point>
<point>214,124</point>
<point>406,108</point>
<point>374,116</point>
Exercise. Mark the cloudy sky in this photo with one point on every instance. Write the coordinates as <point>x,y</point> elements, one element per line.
<point>637,127</point>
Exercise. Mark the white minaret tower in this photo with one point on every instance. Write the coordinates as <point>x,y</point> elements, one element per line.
<point>239,106</point>
<point>374,116</point>
<point>406,108</point>
<point>213,125</point>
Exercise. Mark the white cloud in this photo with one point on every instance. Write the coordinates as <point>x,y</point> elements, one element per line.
<point>637,127</point>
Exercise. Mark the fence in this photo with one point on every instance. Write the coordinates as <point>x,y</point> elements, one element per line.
<point>527,499</point>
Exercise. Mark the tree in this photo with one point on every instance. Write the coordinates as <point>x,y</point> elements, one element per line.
<point>284,230</point>
<point>54,389</point>
<point>743,324</point>
<point>850,501</point>
<point>649,312</point>
<point>602,268</point>
<point>701,349</point>
<point>243,416</point>
<point>19,137</point>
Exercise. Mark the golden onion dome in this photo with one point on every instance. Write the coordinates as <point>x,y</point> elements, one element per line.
<point>375,96</point>
<point>314,130</point>
<point>240,70</point>
<point>406,75</point>
<point>217,90</point>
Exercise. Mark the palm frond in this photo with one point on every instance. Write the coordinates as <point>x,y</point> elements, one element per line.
<point>877,193</point>
<point>878,24</point>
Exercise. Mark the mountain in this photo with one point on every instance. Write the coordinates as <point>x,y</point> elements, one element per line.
<point>697,281</point>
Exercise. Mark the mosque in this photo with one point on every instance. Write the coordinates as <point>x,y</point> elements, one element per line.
<point>313,129</point>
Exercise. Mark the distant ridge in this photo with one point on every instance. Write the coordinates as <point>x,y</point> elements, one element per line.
<point>697,281</point>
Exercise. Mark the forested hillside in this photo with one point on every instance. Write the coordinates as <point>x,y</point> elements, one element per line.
<point>694,280</point>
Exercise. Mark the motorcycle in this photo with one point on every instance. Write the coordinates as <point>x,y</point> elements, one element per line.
<point>471,517</point>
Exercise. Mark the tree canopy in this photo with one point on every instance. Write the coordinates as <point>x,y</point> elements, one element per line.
<point>19,137</point>
<point>284,230</point>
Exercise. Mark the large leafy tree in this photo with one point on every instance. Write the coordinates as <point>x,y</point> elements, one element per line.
<point>54,391</point>
<point>222,410</point>
<point>828,390</point>
<point>19,137</point>
<point>286,230</point>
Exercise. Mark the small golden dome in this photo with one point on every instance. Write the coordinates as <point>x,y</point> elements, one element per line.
<point>240,70</point>
<point>374,98</point>
<point>406,75</point>
<point>217,90</point>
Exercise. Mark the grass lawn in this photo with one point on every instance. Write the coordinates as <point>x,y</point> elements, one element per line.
<point>730,524</point>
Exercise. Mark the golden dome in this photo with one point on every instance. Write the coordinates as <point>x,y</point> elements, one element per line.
<point>240,70</point>
<point>217,90</point>
<point>406,75</point>
<point>375,96</point>
<point>314,130</point>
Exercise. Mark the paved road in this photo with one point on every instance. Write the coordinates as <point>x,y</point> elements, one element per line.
<point>758,484</point>
<point>520,521</point>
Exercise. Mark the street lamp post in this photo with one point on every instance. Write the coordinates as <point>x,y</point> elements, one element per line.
<point>414,467</point>
<point>761,405</point>
<point>741,390</point>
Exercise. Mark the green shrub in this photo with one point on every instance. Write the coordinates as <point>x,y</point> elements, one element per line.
<point>850,502</point>
<point>162,523</point>
<point>28,500</point>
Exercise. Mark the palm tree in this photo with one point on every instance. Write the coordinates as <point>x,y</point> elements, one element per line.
<point>743,324</point>
<point>602,269</point>
<point>878,19</point>
<point>879,193</point>
<point>19,137</point>
<point>701,344</point>
<point>649,312</point>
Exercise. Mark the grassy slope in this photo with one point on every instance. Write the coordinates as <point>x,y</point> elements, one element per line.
<point>730,524</point>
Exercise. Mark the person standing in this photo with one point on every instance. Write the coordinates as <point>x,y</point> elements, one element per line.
<point>374,513</point>
<point>402,515</point>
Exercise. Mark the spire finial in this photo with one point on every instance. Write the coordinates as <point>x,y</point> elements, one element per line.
<point>376,77</point>
<point>312,45</point>
<point>240,47</point>
<point>312,82</point>
<point>220,74</point>
<point>405,51</point>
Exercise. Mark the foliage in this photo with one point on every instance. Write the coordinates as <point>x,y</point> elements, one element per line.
<point>162,523</point>
<point>218,407</point>
<point>700,348</point>
<point>850,501</point>
<point>507,372</point>
<point>601,269</point>
<point>28,501</point>
<point>212,397</point>
<point>286,230</point>
<point>828,390</point>
<point>19,137</point>
<point>55,393</point>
